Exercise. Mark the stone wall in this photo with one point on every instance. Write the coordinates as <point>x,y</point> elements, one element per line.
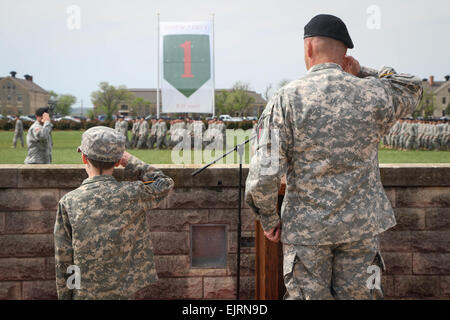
<point>416,251</point>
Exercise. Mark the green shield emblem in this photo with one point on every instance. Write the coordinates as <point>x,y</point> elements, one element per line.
<point>187,61</point>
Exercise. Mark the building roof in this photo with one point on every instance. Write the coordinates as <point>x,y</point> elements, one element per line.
<point>29,85</point>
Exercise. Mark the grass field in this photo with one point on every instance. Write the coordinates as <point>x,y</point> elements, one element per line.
<point>65,145</point>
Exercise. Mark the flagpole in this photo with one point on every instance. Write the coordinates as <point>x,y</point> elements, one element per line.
<point>213,71</point>
<point>157,90</point>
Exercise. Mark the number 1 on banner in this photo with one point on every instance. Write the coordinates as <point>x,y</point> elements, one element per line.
<point>187,60</point>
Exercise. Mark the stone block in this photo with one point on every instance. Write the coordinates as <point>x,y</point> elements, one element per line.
<point>398,263</point>
<point>22,269</point>
<point>50,272</point>
<point>58,177</point>
<point>2,223</point>
<point>230,217</point>
<point>410,219</point>
<point>387,284</point>
<point>29,199</point>
<point>8,177</point>
<point>29,222</point>
<point>431,263</point>
<point>176,220</point>
<point>445,286</point>
<point>170,242</point>
<point>37,245</point>
<point>423,197</point>
<point>416,286</point>
<point>438,219</point>
<point>172,288</point>
<point>430,241</point>
<point>10,291</point>
<point>247,264</point>
<point>397,241</point>
<point>180,266</point>
<point>390,192</point>
<point>202,198</point>
<point>39,290</point>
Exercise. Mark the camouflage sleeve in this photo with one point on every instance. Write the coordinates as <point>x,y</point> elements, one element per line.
<point>405,90</point>
<point>63,252</point>
<point>269,163</point>
<point>156,185</point>
<point>44,133</point>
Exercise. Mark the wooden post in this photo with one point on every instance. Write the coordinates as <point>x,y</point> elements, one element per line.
<point>269,284</point>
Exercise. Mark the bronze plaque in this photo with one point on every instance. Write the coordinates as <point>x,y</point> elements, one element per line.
<point>208,246</point>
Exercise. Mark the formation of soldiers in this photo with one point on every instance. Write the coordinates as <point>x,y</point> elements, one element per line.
<point>410,134</point>
<point>158,136</point>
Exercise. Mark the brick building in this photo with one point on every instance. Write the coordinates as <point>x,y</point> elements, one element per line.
<point>441,94</point>
<point>21,96</point>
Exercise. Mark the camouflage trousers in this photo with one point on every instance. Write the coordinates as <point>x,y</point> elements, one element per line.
<point>332,271</point>
<point>16,137</point>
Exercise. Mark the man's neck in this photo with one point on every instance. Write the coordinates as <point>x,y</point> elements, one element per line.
<point>322,60</point>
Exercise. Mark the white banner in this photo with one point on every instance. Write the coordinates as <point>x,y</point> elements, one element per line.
<point>186,64</point>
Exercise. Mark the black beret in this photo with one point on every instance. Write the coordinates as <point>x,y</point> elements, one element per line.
<point>39,112</point>
<point>326,25</point>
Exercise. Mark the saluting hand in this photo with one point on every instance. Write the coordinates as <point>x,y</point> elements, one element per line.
<point>45,117</point>
<point>124,160</point>
<point>351,65</point>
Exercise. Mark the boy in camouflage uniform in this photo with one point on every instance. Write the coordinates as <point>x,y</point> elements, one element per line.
<point>101,226</point>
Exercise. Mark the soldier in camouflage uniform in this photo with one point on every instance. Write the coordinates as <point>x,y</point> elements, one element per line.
<point>18,132</point>
<point>161,132</point>
<point>143,133</point>
<point>152,137</point>
<point>134,133</point>
<point>101,227</point>
<point>326,128</point>
<point>39,139</point>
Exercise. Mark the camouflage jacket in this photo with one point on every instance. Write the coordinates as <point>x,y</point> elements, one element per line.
<point>329,124</point>
<point>143,129</point>
<point>39,140</point>
<point>101,228</point>
<point>161,129</point>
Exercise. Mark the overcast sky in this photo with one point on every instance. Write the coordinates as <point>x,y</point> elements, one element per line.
<point>259,42</point>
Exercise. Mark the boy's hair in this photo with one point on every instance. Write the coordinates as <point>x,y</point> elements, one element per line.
<point>101,165</point>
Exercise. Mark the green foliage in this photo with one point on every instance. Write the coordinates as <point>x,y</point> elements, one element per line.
<point>141,107</point>
<point>63,102</point>
<point>108,98</point>
<point>447,110</point>
<point>6,125</point>
<point>426,105</point>
<point>234,100</point>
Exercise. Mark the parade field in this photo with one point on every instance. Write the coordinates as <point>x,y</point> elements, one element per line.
<point>65,145</point>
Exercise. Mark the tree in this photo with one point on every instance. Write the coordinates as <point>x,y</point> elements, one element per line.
<point>236,99</point>
<point>141,107</point>
<point>63,102</point>
<point>426,105</point>
<point>108,98</point>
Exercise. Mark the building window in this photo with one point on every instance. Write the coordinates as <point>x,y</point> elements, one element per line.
<point>124,107</point>
<point>9,85</point>
<point>19,98</point>
<point>9,97</point>
<point>444,100</point>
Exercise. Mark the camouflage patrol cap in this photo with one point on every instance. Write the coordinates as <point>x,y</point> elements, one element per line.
<point>102,144</point>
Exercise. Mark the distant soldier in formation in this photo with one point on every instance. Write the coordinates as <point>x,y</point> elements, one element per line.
<point>143,132</point>
<point>134,133</point>
<point>18,132</point>
<point>152,136</point>
<point>161,133</point>
<point>39,139</point>
<point>409,134</point>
